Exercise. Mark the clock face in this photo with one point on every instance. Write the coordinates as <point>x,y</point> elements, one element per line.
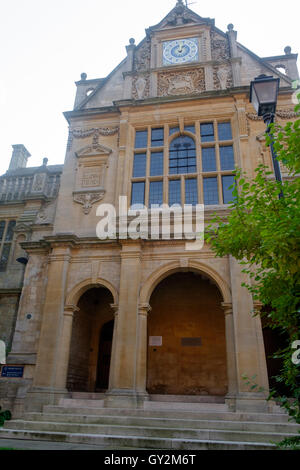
<point>180,51</point>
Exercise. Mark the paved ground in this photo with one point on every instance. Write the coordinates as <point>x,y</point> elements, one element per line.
<point>23,444</point>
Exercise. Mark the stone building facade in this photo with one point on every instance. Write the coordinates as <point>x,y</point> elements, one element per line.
<point>139,317</point>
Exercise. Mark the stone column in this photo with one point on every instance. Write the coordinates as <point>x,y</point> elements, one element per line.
<point>64,347</point>
<point>230,353</point>
<point>250,353</point>
<point>141,356</point>
<point>236,64</point>
<point>123,374</point>
<point>51,348</point>
<point>111,386</point>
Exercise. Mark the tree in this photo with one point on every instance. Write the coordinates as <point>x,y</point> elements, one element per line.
<point>262,232</point>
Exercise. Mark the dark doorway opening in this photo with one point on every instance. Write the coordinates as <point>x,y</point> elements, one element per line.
<point>104,356</point>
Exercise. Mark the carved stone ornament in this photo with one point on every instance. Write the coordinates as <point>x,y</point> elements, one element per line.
<point>281,113</point>
<point>140,87</point>
<point>219,47</point>
<point>142,56</point>
<point>181,83</point>
<point>84,133</point>
<point>180,15</point>
<point>87,199</point>
<point>222,77</point>
<point>38,182</point>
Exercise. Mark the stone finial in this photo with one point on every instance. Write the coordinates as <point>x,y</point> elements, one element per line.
<point>83,76</point>
<point>230,27</point>
<point>288,50</point>
<point>45,161</point>
<point>131,41</point>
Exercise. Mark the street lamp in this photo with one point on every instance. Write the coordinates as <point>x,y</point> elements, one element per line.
<point>263,96</point>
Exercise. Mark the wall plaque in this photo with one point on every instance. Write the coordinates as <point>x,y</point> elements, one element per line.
<point>155,340</point>
<point>12,371</point>
<point>191,342</point>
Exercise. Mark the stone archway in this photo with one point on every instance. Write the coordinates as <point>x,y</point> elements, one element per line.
<point>186,336</point>
<point>86,358</point>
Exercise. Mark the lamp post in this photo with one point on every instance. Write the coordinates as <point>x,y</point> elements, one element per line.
<point>263,96</point>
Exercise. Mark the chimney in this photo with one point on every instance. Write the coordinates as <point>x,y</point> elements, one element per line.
<point>19,157</point>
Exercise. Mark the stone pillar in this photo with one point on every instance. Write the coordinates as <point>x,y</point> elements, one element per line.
<point>141,356</point>
<point>123,387</point>
<point>64,347</point>
<point>249,346</point>
<point>236,64</point>
<point>112,368</point>
<point>230,354</point>
<point>54,331</point>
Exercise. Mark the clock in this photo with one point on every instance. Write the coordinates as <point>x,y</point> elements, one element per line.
<point>180,51</point>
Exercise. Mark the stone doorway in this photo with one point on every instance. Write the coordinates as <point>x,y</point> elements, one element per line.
<point>90,351</point>
<point>186,337</point>
<point>104,356</point>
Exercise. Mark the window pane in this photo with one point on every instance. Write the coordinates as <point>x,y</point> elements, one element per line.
<point>173,130</point>
<point>2,227</point>
<point>4,256</point>
<point>191,191</point>
<point>141,138</point>
<point>224,131</point>
<point>157,137</point>
<point>209,159</point>
<point>207,132</point>
<point>174,192</point>
<point>139,165</point>
<point>210,191</point>
<point>227,158</point>
<point>190,129</point>
<point>10,228</point>
<point>156,193</point>
<point>138,193</point>
<point>182,158</point>
<point>157,164</point>
<point>227,181</point>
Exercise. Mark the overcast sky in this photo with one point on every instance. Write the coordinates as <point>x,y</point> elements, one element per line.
<point>46,44</point>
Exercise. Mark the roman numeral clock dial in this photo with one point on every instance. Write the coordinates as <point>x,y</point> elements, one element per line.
<point>180,51</point>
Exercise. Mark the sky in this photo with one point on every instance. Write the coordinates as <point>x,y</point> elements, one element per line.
<point>45,45</point>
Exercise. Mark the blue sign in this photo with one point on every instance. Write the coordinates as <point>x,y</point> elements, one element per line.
<point>12,371</point>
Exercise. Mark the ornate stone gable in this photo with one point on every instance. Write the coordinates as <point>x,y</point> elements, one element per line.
<point>184,82</point>
<point>220,49</point>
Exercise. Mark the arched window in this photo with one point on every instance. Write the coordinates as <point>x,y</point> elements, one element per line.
<point>182,156</point>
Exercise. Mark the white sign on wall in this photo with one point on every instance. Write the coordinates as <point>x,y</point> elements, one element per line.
<point>155,340</point>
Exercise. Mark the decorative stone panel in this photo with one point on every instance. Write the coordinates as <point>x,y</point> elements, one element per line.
<point>219,47</point>
<point>142,57</point>
<point>222,76</point>
<point>181,83</point>
<point>141,86</point>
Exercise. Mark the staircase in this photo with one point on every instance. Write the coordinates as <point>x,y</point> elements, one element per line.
<point>173,425</point>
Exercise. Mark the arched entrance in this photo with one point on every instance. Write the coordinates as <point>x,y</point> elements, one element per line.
<point>91,341</point>
<point>186,337</point>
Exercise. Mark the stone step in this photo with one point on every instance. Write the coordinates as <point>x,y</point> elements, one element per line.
<point>147,431</point>
<point>81,403</point>
<point>187,398</point>
<point>134,441</point>
<point>163,413</point>
<point>87,395</point>
<point>165,422</point>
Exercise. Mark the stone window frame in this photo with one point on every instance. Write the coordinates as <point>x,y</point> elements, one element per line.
<point>169,136</point>
<point>4,242</point>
